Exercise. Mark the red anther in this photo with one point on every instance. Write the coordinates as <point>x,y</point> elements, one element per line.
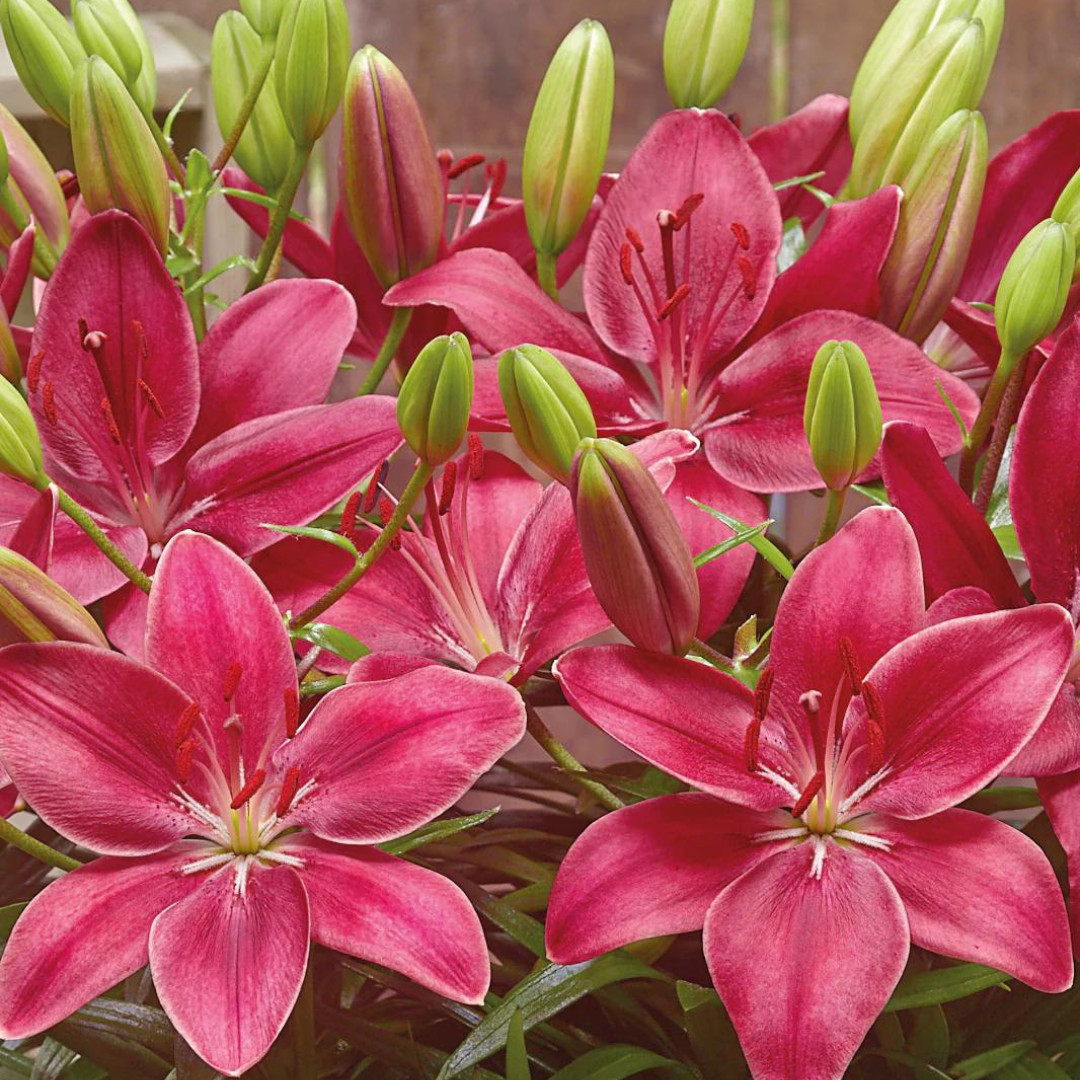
<point>673,301</point>
<point>749,277</point>
<point>110,420</point>
<point>254,782</point>
<point>373,487</point>
<point>752,745</point>
<point>875,746</point>
<point>810,793</point>
<point>386,509</point>
<point>763,692</point>
<point>463,165</point>
<point>476,457</point>
<point>449,483</point>
<point>625,264</point>
<point>741,234</point>
<point>185,724</point>
<point>33,371</point>
<point>851,665</point>
<point>232,680</point>
<point>348,514</point>
<point>48,402</point>
<point>497,177</point>
<point>635,239</point>
<point>292,711</point>
<point>140,338</point>
<point>183,760</point>
<point>874,709</point>
<point>152,399</point>
<point>690,204</point>
<point>289,787</point>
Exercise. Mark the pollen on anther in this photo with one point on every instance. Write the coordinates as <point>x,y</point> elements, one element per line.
<point>749,279</point>
<point>626,256</point>
<point>152,399</point>
<point>373,487</point>
<point>673,301</point>
<point>184,756</point>
<point>851,665</point>
<point>185,724</point>
<point>33,371</point>
<point>449,483</point>
<point>496,173</point>
<point>752,745</point>
<point>476,457</point>
<point>110,420</point>
<point>140,338</point>
<point>763,693</point>
<point>741,234</point>
<point>289,787</point>
<point>875,746</point>
<point>292,711</point>
<point>874,709</point>
<point>810,793</point>
<point>463,165</point>
<point>690,204</point>
<point>232,680</point>
<point>348,514</point>
<point>635,239</point>
<point>386,512</point>
<point>48,402</point>
<point>254,782</point>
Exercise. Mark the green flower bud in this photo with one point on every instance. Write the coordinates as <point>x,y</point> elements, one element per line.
<point>567,139</point>
<point>1034,288</point>
<point>704,45</point>
<point>908,23</point>
<point>5,170</point>
<point>34,608</point>
<point>44,50</point>
<point>636,556</point>
<point>265,147</point>
<point>264,15</point>
<point>942,194</point>
<point>10,362</point>
<point>111,29</point>
<point>310,62</point>
<point>942,75</point>
<point>547,410</point>
<point>842,418</point>
<point>435,398</point>
<point>116,159</point>
<point>20,445</point>
<point>1067,211</point>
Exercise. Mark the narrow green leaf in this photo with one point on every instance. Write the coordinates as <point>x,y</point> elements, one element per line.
<point>796,181</point>
<point>875,492</point>
<point>52,1061</point>
<point>437,830</point>
<point>951,407</point>
<point>215,272</point>
<point>929,1038</point>
<point>998,512</point>
<point>918,1068</point>
<point>986,1064</point>
<point>17,1063</point>
<point>712,1037</point>
<point>1034,1066</point>
<point>261,200</point>
<point>761,544</point>
<point>995,800</point>
<point>328,536</point>
<point>174,112</point>
<point>517,1057</point>
<point>8,915</point>
<point>1008,542</point>
<point>614,1063</point>
<point>333,639</point>
<point>741,537</point>
<point>943,985</point>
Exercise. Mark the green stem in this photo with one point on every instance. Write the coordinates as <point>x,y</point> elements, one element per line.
<point>1007,416</point>
<point>247,107</point>
<point>13,835</point>
<point>717,659</point>
<point>780,59</point>
<point>95,532</point>
<point>167,151</point>
<point>289,187</point>
<point>833,508</point>
<point>545,273</point>
<point>976,437</point>
<point>318,687</point>
<point>421,475</point>
<point>567,762</point>
<point>399,323</point>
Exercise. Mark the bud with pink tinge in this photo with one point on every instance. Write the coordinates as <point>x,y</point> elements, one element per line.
<point>637,558</point>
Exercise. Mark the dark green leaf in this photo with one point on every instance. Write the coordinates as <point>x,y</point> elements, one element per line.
<point>51,1061</point>
<point>929,1038</point>
<point>117,1056</point>
<point>1034,1066</point>
<point>8,915</point>
<point>613,1063</point>
<point>128,1020</point>
<point>995,800</point>
<point>437,830</point>
<point>942,985</point>
<point>712,1037</point>
<point>16,1063</point>
<point>517,1057</point>
<point>988,1063</point>
<point>918,1068</point>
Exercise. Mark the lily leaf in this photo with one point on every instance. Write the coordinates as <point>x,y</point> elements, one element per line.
<point>1033,1066</point>
<point>945,984</point>
<point>328,536</point>
<point>929,1039</point>
<point>437,830</point>
<point>614,1063</point>
<point>761,544</point>
<point>875,492</point>
<point>988,1063</point>
<point>918,1068</point>
<point>994,800</point>
<point>792,246</point>
<point>795,181</point>
<point>333,639</point>
<point>712,1035</point>
<point>743,536</point>
<point>517,1057</point>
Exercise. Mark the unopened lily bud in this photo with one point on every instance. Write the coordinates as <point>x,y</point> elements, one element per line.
<point>20,444</point>
<point>44,50</point>
<point>942,75</point>
<point>1034,288</point>
<point>310,62</point>
<point>265,146</point>
<point>435,398</point>
<point>10,361</point>
<point>34,608</point>
<point>1067,211</point>
<point>636,556</point>
<point>842,417</point>
<point>908,24</point>
<point>264,15</point>
<point>116,159</point>
<point>942,193</point>
<point>548,412</point>
<point>390,181</point>
<point>567,139</point>
<point>5,170</point>
<point>704,45</point>
<point>110,29</point>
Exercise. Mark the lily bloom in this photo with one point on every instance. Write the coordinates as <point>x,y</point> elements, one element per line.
<point>230,835</point>
<point>154,434</point>
<point>689,324</point>
<point>9,796</point>
<point>823,837</point>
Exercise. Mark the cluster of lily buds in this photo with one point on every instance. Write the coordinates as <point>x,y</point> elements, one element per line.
<point>20,444</point>
<point>33,607</point>
<point>264,15</point>
<point>110,29</point>
<point>704,45</point>
<point>45,51</point>
<point>435,398</point>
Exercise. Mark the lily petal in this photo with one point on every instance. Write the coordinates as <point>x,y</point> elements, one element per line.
<point>1061,797</point>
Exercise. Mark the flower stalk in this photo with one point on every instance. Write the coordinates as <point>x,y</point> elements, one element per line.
<point>399,323</point>
<point>111,552</point>
<point>13,835</point>
<point>280,217</point>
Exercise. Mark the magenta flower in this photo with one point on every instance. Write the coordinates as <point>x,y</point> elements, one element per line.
<point>230,838</point>
<point>9,796</point>
<point>154,434</point>
<point>823,838</point>
<point>689,324</point>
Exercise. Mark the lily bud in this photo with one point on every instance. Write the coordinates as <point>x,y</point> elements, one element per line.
<point>435,398</point>
<point>567,139</point>
<point>1067,211</point>
<point>548,412</point>
<point>116,159</point>
<point>636,556</point>
<point>390,179</point>
<point>265,147</point>
<point>908,23</point>
<point>310,62</point>
<point>704,45</point>
<point>942,75</point>
<point>111,29</point>
<point>942,193</point>
<point>34,608</point>
<point>264,15</point>
<point>10,362</point>
<point>842,418</point>
<point>1034,288</point>
<point>20,444</point>
<point>44,50</point>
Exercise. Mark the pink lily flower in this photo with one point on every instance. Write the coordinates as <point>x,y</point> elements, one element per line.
<point>154,434</point>
<point>229,836</point>
<point>9,795</point>
<point>689,325</point>
<point>823,837</point>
